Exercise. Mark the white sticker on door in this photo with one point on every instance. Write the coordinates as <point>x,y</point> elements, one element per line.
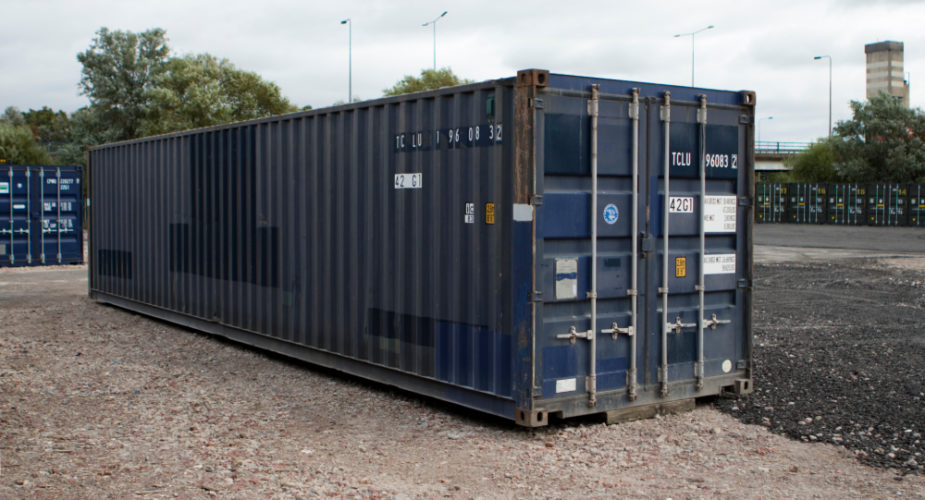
<point>722,263</point>
<point>566,385</point>
<point>719,214</point>
<point>681,205</point>
<point>566,278</point>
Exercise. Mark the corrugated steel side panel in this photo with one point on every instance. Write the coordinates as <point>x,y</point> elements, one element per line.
<point>41,215</point>
<point>293,228</point>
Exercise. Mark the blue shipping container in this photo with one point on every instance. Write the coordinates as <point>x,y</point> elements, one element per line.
<point>40,215</point>
<point>532,247</point>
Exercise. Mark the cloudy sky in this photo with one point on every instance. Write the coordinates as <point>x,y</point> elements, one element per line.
<point>765,46</point>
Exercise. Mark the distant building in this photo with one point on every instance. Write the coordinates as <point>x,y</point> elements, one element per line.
<point>885,70</point>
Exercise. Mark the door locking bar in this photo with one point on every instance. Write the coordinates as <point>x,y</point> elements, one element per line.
<point>677,326</point>
<point>573,335</point>
<point>616,331</point>
<point>713,322</point>
<point>666,209</point>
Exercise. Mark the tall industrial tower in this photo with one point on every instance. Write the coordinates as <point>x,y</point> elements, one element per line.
<point>885,70</point>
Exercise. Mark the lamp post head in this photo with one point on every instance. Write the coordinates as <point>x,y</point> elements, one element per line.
<point>345,21</point>
<point>710,27</point>
<point>434,22</point>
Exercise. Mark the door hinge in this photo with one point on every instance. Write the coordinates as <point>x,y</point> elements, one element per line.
<point>536,296</point>
<point>745,119</point>
<point>745,201</point>
<point>647,242</point>
<point>537,103</point>
<point>537,200</point>
<point>743,283</point>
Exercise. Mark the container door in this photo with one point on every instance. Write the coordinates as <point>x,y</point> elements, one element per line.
<point>917,205</point>
<point>15,220</point>
<point>57,213</point>
<point>695,302</point>
<point>61,223</point>
<point>592,213</point>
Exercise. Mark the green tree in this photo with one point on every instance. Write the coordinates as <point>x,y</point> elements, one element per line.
<point>815,164</point>
<point>88,128</point>
<point>429,80</point>
<point>883,142</point>
<point>48,125</point>
<point>17,147</point>
<point>202,90</point>
<point>119,69</point>
<point>12,116</point>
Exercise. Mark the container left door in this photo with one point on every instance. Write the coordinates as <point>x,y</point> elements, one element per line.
<point>587,246</point>
<point>15,217</point>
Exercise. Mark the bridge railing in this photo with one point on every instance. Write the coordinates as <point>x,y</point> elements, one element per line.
<point>780,147</point>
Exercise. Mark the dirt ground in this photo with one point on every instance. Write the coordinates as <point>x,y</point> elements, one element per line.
<point>96,402</point>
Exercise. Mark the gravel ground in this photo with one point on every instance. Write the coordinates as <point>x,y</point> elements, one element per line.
<point>97,402</point>
<point>840,357</point>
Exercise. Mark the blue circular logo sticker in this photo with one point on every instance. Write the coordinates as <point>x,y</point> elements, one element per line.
<point>611,214</point>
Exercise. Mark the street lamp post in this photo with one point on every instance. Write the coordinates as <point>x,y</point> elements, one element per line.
<point>830,89</point>
<point>349,24</point>
<point>692,34</point>
<point>434,24</point>
<point>759,125</point>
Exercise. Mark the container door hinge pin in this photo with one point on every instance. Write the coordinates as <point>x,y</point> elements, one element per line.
<point>699,376</point>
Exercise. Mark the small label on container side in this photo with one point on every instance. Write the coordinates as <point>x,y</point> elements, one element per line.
<point>724,263</point>
<point>566,278</point>
<point>566,385</point>
<point>408,181</point>
<point>680,267</point>
<point>4,187</point>
<point>470,213</point>
<point>489,213</point>
<point>611,214</point>
<point>719,214</point>
<point>681,205</point>
<point>523,212</point>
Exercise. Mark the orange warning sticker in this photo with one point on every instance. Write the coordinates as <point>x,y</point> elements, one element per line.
<point>489,213</point>
<point>680,267</point>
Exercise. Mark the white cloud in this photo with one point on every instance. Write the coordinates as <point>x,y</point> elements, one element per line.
<point>764,46</point>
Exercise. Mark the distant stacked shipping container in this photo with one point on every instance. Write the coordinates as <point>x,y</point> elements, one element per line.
<point>875,204</point>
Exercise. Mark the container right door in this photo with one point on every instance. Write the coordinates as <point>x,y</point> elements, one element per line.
<point>698,271</point>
